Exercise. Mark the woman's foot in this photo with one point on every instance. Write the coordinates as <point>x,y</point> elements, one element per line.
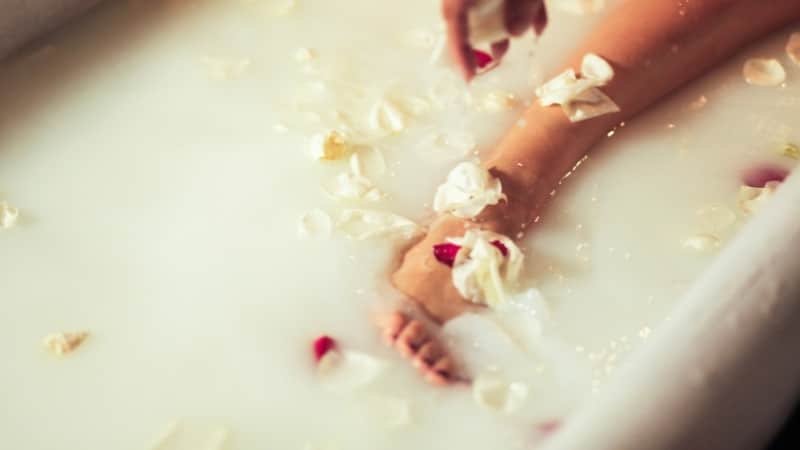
<point>413,340</point>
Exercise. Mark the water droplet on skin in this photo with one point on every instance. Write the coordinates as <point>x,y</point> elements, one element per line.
<point>764,72</point>
<point>698,103</point>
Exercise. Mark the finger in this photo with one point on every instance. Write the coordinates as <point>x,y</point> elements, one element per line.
<point>456,17</point>
<point>519,15</point>
<point>540,19</point>
<point>499,49</point>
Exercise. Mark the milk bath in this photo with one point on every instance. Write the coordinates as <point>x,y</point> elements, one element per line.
<point>159,155</point>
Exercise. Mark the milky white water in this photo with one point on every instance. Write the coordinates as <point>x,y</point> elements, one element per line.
<point>159,210</point>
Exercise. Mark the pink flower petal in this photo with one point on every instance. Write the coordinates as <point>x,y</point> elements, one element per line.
<point>446,253</point>
<point>482,59</point>
<point>502,247</point>
<point>322,345</point>
<point>758,177</point>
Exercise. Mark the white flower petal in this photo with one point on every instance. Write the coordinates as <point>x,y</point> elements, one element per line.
<point>63,343</point>
<point>495,393</point>
<point>304,54</point>
<point>790,151</point>
<point>315,224</point>
<point>218,438</point>
<point>355,165</point>
<point>752,199</point>
<point>413,105</point>
<point>595,68</point>
<point>580,97</point>
<point>469,189</point>
<point>481,273</point>
<point>330,146</point>
<point>386,117</point>
<point>372,162</point>
<point>353,185</point>
<point>590,104</point>
<point>8,215</point>
<point>350,186</point>
<point>348,370</point>
<point>702,242</point>
<point>361,224</point>
<point>560,89</point>
<point>167,436</point>
<point>764,72</point>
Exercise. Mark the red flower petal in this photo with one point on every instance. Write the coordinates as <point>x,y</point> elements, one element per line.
<point>758,177</point>
<point>446,253</point>
<point>482,59</point>
<point>322,345</point>
<point>502,247</point>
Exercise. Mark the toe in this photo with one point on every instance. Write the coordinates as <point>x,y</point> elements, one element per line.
<point>428,354</point>
<point>411,338</point>
<point>445,368</point>
<point>392,325</point>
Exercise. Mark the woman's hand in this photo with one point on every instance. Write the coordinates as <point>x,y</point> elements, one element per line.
<point>520,15</point>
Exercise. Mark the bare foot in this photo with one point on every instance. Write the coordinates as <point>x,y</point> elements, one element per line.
<point>413,340</point>
<point>427,281</point>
